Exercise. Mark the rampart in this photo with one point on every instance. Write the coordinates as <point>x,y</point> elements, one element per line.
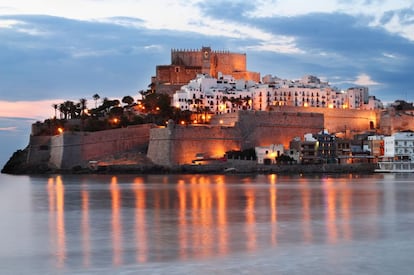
<point>394,121</point>
<point>341,120</point>
<point>177,144</point>
<point>262,128</point>
<point>78,148</point>
<point>38,149</point>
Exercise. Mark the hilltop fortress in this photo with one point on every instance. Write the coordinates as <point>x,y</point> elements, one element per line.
<point>242,113</point>
<point>187,64</point>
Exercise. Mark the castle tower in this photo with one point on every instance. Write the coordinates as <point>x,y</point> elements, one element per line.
<point>205,68</point>
<point>186,64</point>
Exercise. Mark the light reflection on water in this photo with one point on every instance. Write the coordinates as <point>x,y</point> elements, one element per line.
<point>113,222</point>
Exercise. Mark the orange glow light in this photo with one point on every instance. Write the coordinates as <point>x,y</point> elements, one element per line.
<point>60,130</point>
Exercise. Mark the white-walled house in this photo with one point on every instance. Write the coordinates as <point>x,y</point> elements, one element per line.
<point>268,154</point>
<point>227,95</point>
<point>398,153</point>
<point>399,146</point>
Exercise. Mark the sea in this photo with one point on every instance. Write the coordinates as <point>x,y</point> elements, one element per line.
<point>207,224</point>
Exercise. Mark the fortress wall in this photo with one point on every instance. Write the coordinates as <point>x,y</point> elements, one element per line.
<point>176,74</point>
<point>56,150</point>
<point>260,128</point>
<point>179,144</point>
<point>254,76</point>
<point>339,120</point>
<point>77,148</point>
<point>227,63</point>
<point>159,148</point>
<point>187,57</point>
<point>229,119</point>
<point>39,149</point>
<point>109,142</point>
<point>395,122</point>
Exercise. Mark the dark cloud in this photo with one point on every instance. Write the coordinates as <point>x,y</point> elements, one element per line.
<point>70,58</point>
<point>77,58</point>
<point>340,45</point>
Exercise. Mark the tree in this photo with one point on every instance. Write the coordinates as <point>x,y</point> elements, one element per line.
<point>128,100</point>
<point>96,97</point>
<point>63,111</point>
<point>82,103</point>
<point>70,109</point>
<point>55,106</point>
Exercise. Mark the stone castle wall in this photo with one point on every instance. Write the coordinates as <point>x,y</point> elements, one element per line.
<point>340,120</point>
<point>178,144</point>
<point>38,149</point>
<point>227,63</point>
<point>219,61</point>
<point>186,64</point>
<point>262,128</point>
<point>176,75</point>
<point>78,148</point>
<point>392,122</point>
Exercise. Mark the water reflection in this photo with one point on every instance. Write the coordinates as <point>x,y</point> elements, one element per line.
<point>85,228</point>
<point>140,221</point>
<point>116,222</point>
<point>201,216</point>
<point>56,194</point>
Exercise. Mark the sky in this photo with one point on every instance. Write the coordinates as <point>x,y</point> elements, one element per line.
<point>56,50</point>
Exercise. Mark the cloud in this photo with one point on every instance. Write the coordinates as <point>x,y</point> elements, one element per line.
<point>8,129</point>
<point>21,27</point>
<point>365,80</point>
<point>9,23</point>
<point>28,110</point>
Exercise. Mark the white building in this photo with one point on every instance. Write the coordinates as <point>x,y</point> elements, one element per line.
<point>226,95</point>
<point>222,95</point>
<point>357,97</point>
<point>268,154</point>
<point>399,146</point>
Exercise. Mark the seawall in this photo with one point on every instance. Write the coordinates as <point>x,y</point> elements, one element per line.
<point>72,149</point>
<point>177,144</point>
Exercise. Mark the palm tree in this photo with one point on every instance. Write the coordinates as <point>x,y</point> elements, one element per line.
<point>55,106</point>
<point>96,97</point>
<point>82,103</point>
<point>128,100</point>
<point>69,109</point>
<point>63,111</point>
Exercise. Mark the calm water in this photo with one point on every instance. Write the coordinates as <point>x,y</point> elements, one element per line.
<point>203,224</point>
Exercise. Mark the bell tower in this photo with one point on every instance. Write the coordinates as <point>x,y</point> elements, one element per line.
<point>206,52</point>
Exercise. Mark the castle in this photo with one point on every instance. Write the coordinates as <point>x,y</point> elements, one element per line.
<point>187,64</point>
<point>272,112</point>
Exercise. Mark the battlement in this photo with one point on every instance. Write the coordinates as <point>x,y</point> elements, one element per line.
<point>202,50</point>
<point>187,63</point>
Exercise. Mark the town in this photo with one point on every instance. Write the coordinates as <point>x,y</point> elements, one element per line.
<point>206,109</point>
